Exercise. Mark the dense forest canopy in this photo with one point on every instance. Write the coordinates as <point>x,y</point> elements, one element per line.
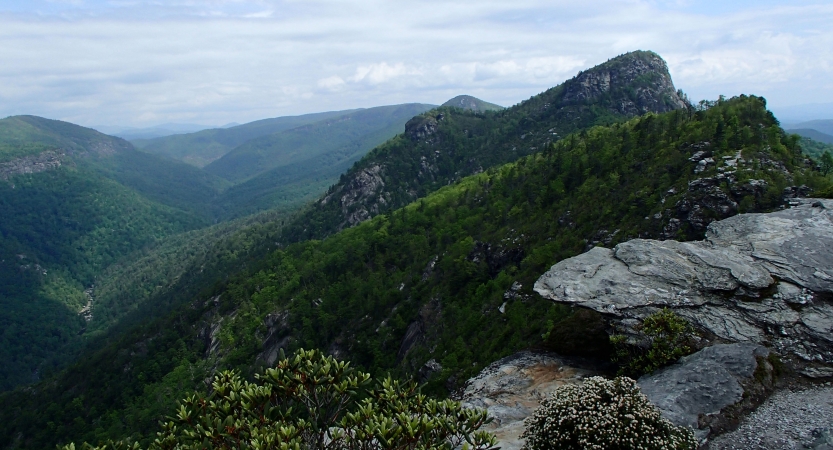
<point>447,277</point>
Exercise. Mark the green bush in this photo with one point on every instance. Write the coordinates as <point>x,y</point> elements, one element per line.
<point>313,401</point>
<point>602,414</point>
<point>666,337</point>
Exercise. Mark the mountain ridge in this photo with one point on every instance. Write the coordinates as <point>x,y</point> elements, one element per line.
<point>431,153</point>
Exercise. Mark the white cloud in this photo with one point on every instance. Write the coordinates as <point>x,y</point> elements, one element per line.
<point>217,61</point>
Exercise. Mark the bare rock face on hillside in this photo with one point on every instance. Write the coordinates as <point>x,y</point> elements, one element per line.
<point>43,161</point>
<point>645,74</point>
<point>759,278</point>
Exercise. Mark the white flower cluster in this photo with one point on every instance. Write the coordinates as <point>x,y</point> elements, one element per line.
<point>602,414</point>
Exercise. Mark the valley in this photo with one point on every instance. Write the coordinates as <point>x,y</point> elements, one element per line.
<point>406,239</point>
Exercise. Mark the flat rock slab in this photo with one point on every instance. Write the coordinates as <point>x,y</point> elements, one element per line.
<point>759,278</point>
<point>703,384</point>
<point>512,388</point>
<point>789,419</point>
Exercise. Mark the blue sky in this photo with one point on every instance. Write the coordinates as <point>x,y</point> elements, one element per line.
<point>144,62</point>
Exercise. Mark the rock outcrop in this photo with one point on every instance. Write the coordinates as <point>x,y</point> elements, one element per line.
<point>796,418</point>
<point>645,73</point>
<point>707,391</point>
<point>512,388</point>
<point>759,278</point>
<point>41,162</point>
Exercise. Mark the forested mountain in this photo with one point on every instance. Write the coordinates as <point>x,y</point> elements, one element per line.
<point>446,278</point>
<point>472,104</point>
<point>444,145</point>
<point>345,137</point>
<point>73,201</point>
<point>813,134</point>
<point>203,147</point>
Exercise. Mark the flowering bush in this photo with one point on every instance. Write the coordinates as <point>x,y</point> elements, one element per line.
<point>602,414</point>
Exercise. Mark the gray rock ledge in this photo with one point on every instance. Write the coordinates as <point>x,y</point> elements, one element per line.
<point>758,278</point>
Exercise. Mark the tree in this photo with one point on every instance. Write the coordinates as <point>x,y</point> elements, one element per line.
<point>826,163</point>
<point>313,401</point>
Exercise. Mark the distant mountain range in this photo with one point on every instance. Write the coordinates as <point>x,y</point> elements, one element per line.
<point>203,147</point>
<point>165,129</point>
<point>416,258</point>
<point>817,130</point>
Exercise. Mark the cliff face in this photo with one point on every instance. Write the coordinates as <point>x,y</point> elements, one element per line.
<point>759,278</point>
<point>49,159</point>
<point>444,145</point>
<point>638,83</point>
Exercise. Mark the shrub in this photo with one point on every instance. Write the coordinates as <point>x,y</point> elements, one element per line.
<point>313,401</point>
<point>666,337</point>
<point>602,414</point>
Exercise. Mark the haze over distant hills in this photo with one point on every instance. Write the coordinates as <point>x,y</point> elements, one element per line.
<point>203,147</point>
<point>425,250</point>
<point>417,261</point>
<point>165,129</point>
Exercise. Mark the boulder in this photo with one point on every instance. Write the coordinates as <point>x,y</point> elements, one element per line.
<point>707,390</point>
<point>759,278</point>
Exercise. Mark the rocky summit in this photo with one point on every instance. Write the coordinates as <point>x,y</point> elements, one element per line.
<point>759,278</point>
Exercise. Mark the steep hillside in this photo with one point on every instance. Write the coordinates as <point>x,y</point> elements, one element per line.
<point>72,202</point>
<point>203,147</point>
<point>442,287</point>
<point>344,138</point>
<point>472,104</point>
<point>444,145</point>
<point>815,149</point>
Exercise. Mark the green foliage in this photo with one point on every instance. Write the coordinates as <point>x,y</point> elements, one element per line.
<point>826,161</point>
<point>347,137</point>
<point>440,268</point>
<point>665,338</point>
<point>605,415</point>
<point>203,147</point>
<point>313,401</point>
<point>464,143</point>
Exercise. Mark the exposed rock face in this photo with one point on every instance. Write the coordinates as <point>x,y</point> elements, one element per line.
<point>759,278</point>
<point>277,336</point>
<point>656,94</point>
<point>441,148</point>
<point>512,388</point>
<point>43,161</point>
<point>361,190</point>
<point>790,419</point>
<point>718,379</point>
<point>420,127</point>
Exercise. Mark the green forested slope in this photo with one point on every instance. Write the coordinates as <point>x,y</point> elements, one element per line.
<point>59,229</point>
<point>444,145</point>
<point>350,136</point>
<point>433,280</point>
<point>72,202</point>
<point>205,146</point>
<point>814,148</point>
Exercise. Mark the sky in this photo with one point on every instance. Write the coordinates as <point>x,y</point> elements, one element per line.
<point>141,63</point>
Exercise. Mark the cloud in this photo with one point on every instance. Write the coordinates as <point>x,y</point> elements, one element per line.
<point>216,61</point>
